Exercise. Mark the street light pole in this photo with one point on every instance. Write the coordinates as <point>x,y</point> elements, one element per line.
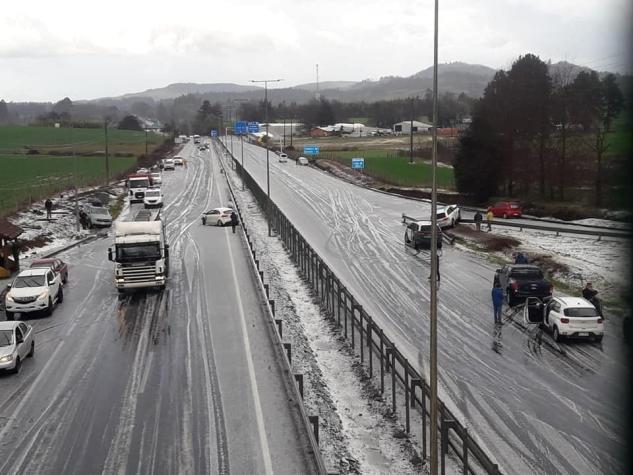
<point>434,265</point>
<point>411,133</point>
<point>266,81</point>
<point>107,157</point>
<point>242,140</point>
<point>146,142</point>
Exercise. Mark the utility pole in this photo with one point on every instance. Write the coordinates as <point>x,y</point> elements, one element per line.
<point>146,142</point>
<point>434,264</point>
<point>291,119</point>
<point>411,132</point>
<point>242,140</point>
<point>107,157</point>
<point>284,134</point>
<point>266,81</point>
<point>72,143</point>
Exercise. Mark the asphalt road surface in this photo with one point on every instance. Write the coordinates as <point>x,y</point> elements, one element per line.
<point>538,406</point>
<point>186,381</point>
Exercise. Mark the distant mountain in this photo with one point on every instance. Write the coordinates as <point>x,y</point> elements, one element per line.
<point>183,88</point>
<point>327,85</point>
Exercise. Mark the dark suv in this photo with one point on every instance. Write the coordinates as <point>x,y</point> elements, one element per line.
<point>521,281</point>
<point>418,235</point>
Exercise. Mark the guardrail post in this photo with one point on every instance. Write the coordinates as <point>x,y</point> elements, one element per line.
<point>370,324</point>
<point>299,380</point>
<point>288,348</point>
<point>406,397</point>
<point>314,420</point>
<point>393,381</point>
<point>279,323</point>
<point>423,422</point>
<point>465,451</point>
<point>261,275</point>
<point>415,382</point>
<point>382,365</point>
<point>266,288</point>
<point>345,308</point>
<point>272,306</point>
<point>360,329</point>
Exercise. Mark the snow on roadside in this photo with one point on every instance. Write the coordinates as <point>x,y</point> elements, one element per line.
<point>356,435</point>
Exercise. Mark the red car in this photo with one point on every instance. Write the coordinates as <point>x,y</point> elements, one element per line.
<point>58,266</point>
<point>506,209</point>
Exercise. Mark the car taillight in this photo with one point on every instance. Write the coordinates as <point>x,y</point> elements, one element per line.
<point>514,285</point>
<point>564,320</point>
<point>600,320</point>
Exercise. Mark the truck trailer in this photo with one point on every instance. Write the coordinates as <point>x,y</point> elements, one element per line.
<point>140,255</point>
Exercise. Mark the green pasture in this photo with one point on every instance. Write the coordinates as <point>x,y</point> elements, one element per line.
<point>27,178</point>
<point>387,166</point>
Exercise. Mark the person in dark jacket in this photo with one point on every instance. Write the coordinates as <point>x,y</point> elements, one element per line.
<point>233,221</point>
<point>478,219</point>
<point>589,293</point>
<point>520,258</point>
<point>48,205</point>
<point>497,301</point>
<point>15,251</point>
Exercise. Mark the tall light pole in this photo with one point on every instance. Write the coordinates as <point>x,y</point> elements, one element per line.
<point>266,81</point>
<point>434,264</point>
<point>107,157</point>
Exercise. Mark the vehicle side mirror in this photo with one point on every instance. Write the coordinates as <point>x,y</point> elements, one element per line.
<point>8,286</point>
<point>109,253</point>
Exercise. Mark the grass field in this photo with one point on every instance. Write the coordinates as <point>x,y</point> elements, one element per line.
<point>27,178</point>
<point>16,139</point>
<point>387,166</point>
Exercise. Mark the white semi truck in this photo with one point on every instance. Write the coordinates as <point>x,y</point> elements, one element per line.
<point>140,255</point>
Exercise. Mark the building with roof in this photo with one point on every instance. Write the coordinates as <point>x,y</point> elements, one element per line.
<point>405,127</point>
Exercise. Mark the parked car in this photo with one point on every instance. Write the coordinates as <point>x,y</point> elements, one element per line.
<point>168,164</point>
<point>283,158</point>
<point>157,178</point>
<point>448,216</point>
<point>302,161</point>
<point>572,317</point>
<point>418,235</point>
<point>153,198</point>
<point>16,344</point>
<point>521,281</point>
<point>217,216</point>
<point>58,266</point>
<point>142,170</point>
<point>506,209</point>
<point>178,160</point>
<point>34,290</point>
<point>95,216</point>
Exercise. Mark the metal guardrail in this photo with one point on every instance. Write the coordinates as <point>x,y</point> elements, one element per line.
<point>379,355</point>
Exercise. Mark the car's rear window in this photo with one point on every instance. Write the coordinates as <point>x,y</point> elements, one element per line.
<point>527,274</point>
<point>580,312</point>
<point>514,205</point>
<point>441,215</point>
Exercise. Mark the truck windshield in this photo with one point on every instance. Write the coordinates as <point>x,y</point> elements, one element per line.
<point>6,337</point>
<point>139,183</point>
<point>527,274</point>
<point>29,281</point>
<point>137,252</point>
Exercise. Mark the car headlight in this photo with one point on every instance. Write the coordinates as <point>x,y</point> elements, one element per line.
<point>43,295</point>
<point>6,359</point>
<point>9,298</point>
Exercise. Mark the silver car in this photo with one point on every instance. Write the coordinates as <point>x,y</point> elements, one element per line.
<point>16,344</point>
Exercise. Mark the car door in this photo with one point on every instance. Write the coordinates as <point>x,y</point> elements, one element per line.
<point>53,283</point>
<point>26,333</point>
<point>554,314</point>
<point>19,343</point>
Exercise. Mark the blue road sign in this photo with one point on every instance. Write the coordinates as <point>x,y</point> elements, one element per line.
<point>240,127</point>
<point>358,163</point>
<point>253,127</point>
<point>311,150</point>
<point>214,133</point>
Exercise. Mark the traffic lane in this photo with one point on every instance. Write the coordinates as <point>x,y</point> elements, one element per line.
<point>345,228</point>
<point>263,413</point>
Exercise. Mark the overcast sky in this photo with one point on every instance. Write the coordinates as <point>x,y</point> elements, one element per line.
<point>84,50</point>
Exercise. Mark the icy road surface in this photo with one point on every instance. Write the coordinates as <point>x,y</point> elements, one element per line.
<point>538,407</point>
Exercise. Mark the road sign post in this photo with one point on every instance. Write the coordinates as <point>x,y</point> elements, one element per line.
<point>311,150</point>
<point>358,163</point>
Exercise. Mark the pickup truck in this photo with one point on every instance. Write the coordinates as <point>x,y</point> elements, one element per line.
<point>521,281</point>
<point>33,290</point>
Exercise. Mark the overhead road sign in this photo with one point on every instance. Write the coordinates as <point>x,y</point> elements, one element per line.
<point>214,133</point>
<point>253,127</point>
<point>240,127</point>
<point>311,150</point>
<point>358,163</point>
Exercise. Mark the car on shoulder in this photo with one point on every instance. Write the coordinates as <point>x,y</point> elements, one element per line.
<point>506,209</point>
<point>217,217</point>
<point>520,281</point>
<point>58,266</point>
<point>302,161</point>
<point>448,216</point>
<point>283,158</point>
<point>16,344</point>
<point>153,198</point>
<point>168,164</point>
<point>95,216</point>
<point>142,170</point>
<point>33,290</point>
<point>178,160</point>
<point>418,235</point>
<point>566,317</point>
<point>157,178</point>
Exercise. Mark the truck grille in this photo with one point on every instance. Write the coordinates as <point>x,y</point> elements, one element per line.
<point>139,194</point>
<point>139,274</point>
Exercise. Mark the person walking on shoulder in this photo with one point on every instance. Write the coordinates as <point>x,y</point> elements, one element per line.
<point>489,218</point>
<point>478,219</point>
<point>497,302</point>
<point>233,221</point>
<point>48,205</point>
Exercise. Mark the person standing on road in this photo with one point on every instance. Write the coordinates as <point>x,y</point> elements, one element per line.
<point>489,217</point>
<point>497,302</point>
<point>478,219</point>
<point>15,251</point>
<point>520,258</point>
<point>48,205</point>
<point>233,221</point>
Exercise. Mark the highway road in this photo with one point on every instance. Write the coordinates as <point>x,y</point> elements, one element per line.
<point>539,407</point>
<point>186,381</point>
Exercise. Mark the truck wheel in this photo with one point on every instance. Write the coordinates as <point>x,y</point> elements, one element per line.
<point>505,216</point>
<point>557,335</point>
<point>10,315</point>
<point>60,296</point>
<point>219,223</point>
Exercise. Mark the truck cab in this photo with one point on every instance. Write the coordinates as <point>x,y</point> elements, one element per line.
<point>137,183</point>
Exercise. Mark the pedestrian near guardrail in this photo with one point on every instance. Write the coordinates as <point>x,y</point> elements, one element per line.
<point>489,217</point>
<point>478,219</point>
<point>497,302</point>
<point>233,221</point>
<point>48,205</point>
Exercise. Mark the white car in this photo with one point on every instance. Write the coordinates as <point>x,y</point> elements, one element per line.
<point>168,164</point>
<point>566,317</point>
<point>157,178</point>
<point>16,344</point>
<point>178,160</point>
<point>142,170</point>
<point>95,216</point>
<point>34,290</point>
<point>217,217</point>
<point>283,158</point>
<point>153,198</point>
<point>302,161</point>
<point>448,216</point>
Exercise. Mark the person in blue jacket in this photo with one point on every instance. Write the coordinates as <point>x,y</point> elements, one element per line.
<point>520,258</point>
<point>497,301</point>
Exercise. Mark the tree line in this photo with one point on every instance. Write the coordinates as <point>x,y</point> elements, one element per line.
<point>536,133</point>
